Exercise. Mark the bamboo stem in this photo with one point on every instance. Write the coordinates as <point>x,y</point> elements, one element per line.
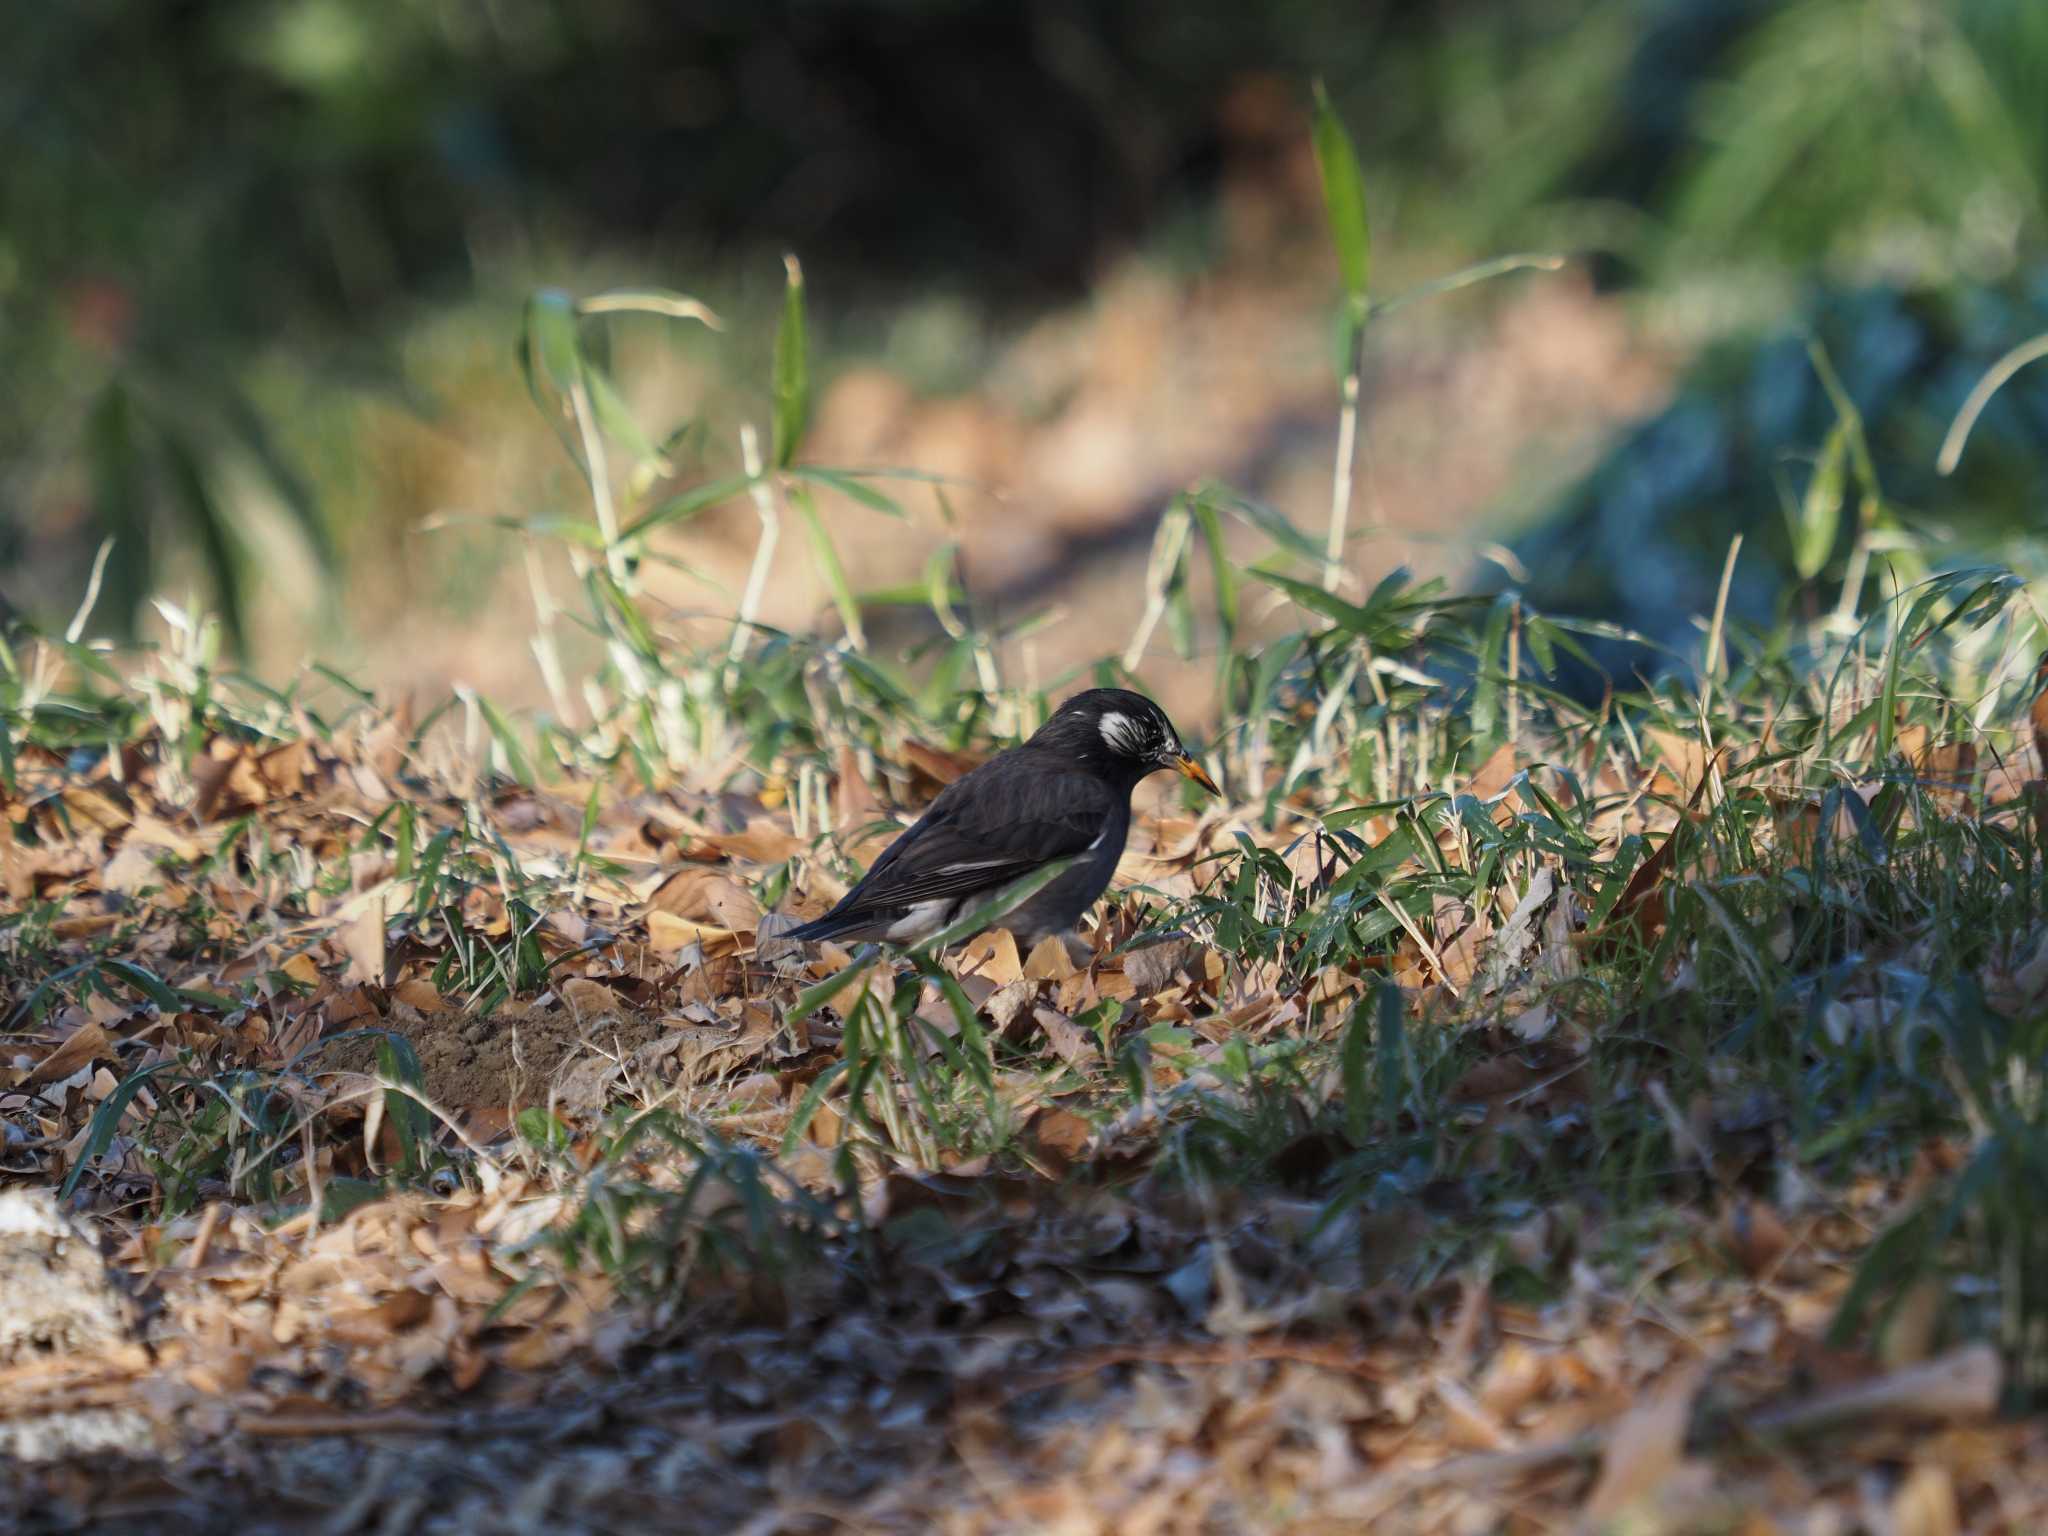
<point>764,552</point>
<point>1347,451</point>
<point>600,482</point>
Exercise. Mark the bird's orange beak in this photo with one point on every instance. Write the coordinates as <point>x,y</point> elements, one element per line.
<point>1190,769</point>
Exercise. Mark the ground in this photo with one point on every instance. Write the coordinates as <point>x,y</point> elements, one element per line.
<point>459,1162</point>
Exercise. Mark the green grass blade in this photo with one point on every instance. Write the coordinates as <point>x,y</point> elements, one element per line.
<point>826,556</point>
<point>105,1120</point>
<point>792,369</point>
<point>1344,201</point>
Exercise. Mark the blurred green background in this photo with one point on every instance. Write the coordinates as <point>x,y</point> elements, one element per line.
<point>262,262</point>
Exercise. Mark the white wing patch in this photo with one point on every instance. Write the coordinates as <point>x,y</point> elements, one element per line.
<point>921,921</point>
<point>1120,733</point>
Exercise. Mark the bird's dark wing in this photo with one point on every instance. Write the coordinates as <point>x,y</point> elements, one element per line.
<point>1009,817</point>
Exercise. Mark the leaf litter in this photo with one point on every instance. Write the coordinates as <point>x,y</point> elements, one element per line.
<point>423,1202</point>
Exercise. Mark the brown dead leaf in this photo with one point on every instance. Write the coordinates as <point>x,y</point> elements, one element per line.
<point>1065,1037</point>
<point>668,934</point>
<point>1470,1423</point>
<point>1495,773</point>
<point>1076,993</point>
<point>1925,1504</point>
<point>362,940</point>
<point>85,925</point>
<point>349,1005</point>
<point>587,998</point>
<point>225,782</point>
<point>1049,960</point>
<point>854,804</point>
<point>1683,754</point>
<point>1006,1005</point>
<point>419,994</point>
<point>87,1043</point>
<point>1515,1377</point>
<point>763,842</point>
<point>1752,1231</point>
<point>1646,1446</point>
<point>1460,932</point>
<point>992,955</point>
<point>705,896</point>
<point>88,807</point>
<point>1641,908</point>
<point>940,766</point>
<point>284,768</point>
<point>1061,1132</point>
<point>1155,966</point>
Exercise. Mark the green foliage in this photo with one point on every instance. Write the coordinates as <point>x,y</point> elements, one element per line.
<point>1831,480</point>
<point>1344,202</point>
<point>792,370</point>
<point>1794,159</point>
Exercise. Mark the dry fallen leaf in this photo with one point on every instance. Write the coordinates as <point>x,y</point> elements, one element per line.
<point>362,940</point>
<point>85,1044</point>
<point>1752,1231</point>
<point>1049,960</point>
<point>1646,1446</point>
<point>765,841</point>
<point>1925,1504</point>
<point>419,994</point>
<point>1065,1037</point>
<point>992,955</point>
<point>706,897</point>
<point>1061,1132</point>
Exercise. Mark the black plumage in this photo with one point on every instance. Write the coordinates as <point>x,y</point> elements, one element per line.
<point>1065,792</point>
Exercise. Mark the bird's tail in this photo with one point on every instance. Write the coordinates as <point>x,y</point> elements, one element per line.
<point>831,926</point>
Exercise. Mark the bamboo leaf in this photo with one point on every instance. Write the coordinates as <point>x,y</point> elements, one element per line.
<point>807,1108</point>
<point>1348,617</point>
<point>649,301</point>
<point>616,418</point>
<point>1224,573</point>
<point>1358,1107</point>
<point>516,760</point>
<point>812,998</point>
<point>211,527</point>
<point>826,554</point>
<point>1390,1042</point>
<point>1817,522</point>
<point>850,485</point>
<point>100,1133</point>
<point>687,505</point>
<point>792,369</point>
<point>549,352</point>
<point>1344,200</point>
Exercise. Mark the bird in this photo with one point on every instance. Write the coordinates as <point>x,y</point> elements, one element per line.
<point>1064,793</point>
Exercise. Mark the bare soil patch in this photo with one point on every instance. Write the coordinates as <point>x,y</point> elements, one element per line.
<point>515,1054</point>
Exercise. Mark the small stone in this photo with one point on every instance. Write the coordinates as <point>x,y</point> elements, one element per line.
<point>55,1293</point>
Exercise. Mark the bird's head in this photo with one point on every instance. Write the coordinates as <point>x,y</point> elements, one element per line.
<point>1122,731</point>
